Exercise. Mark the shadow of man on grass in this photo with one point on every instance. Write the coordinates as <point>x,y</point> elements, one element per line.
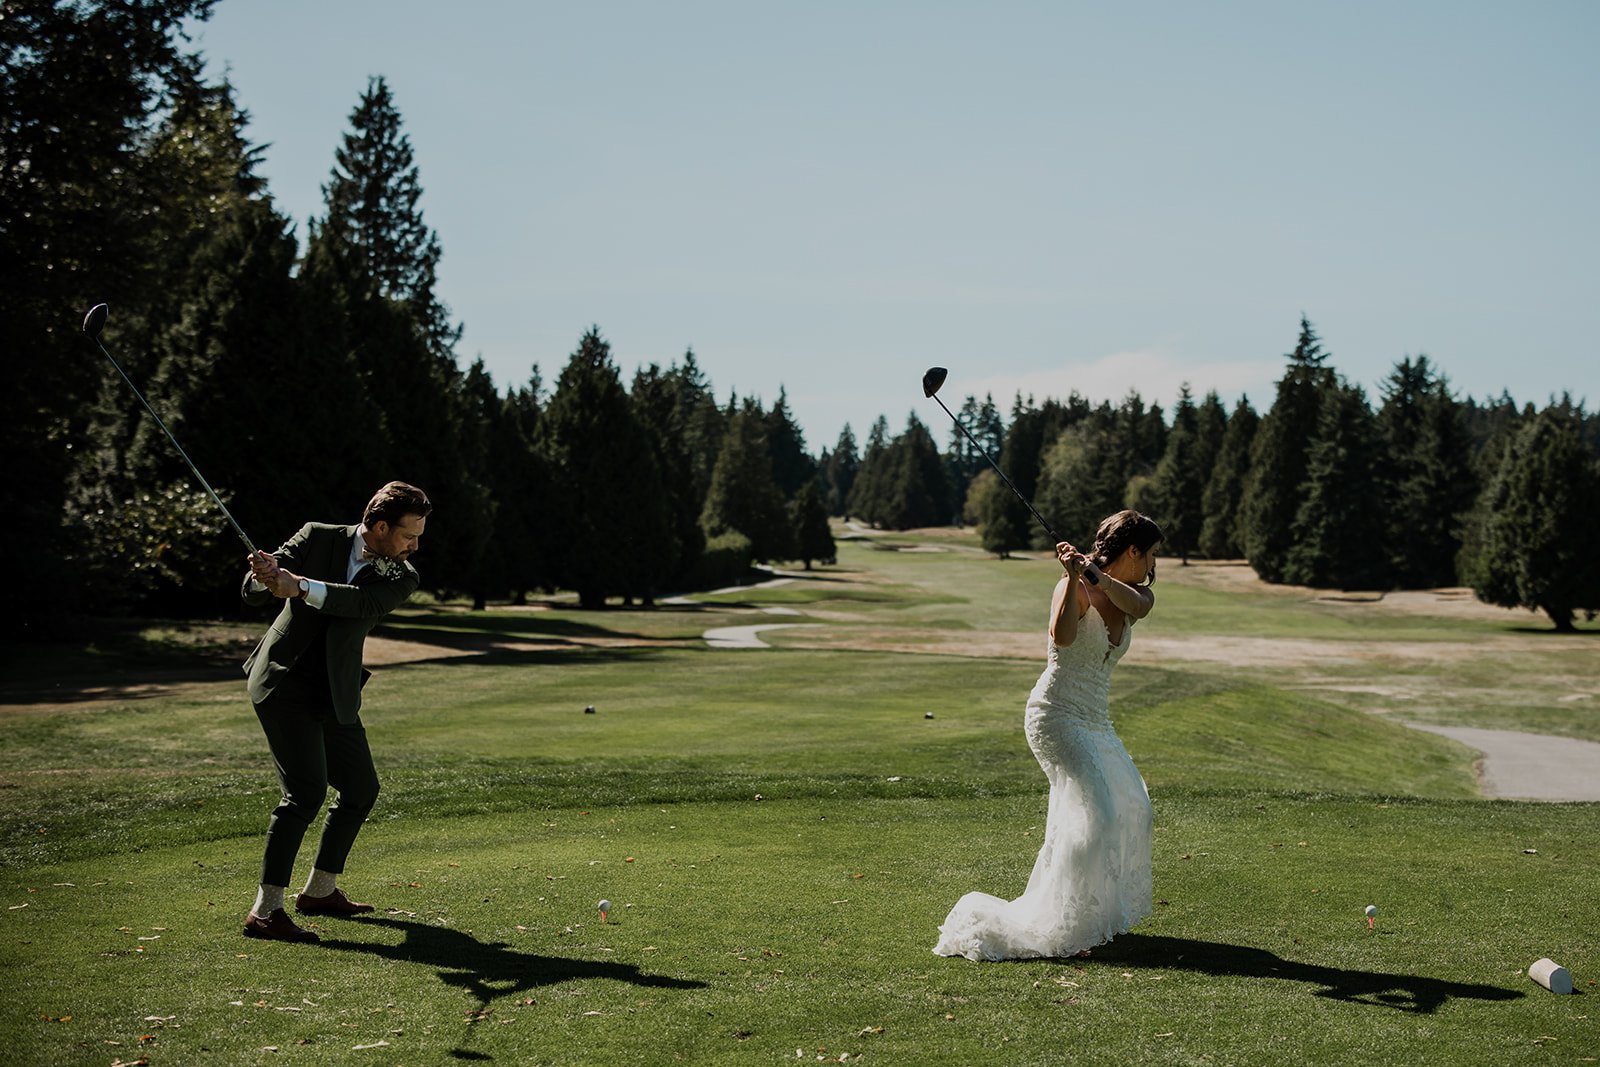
<point>489,969</point>
<point>1403,992</point>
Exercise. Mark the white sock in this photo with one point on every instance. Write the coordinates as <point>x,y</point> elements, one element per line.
<point>320,884</point>
<point>269,898</point>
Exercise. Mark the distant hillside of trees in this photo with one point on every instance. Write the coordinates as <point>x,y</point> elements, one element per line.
<point>300,378</point>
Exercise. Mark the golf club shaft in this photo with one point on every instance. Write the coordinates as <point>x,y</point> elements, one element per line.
<point>1055,538</point>
<point>236,527</point>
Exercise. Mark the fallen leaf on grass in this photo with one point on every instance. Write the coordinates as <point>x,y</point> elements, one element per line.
<point>16,907</point>
<point>1169,1033</point>
<point>480,1013</point>
<point>870,1030</point>
<point>56,1018</point>
<point>588,1013</point>
<point>142,1061</point>
<point>375,1044</point>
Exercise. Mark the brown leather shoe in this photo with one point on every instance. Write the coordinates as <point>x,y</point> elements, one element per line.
<point>276,927</point>
<point>335,903</point>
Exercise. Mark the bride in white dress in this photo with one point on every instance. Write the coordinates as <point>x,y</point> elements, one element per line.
<point>1092,878</point>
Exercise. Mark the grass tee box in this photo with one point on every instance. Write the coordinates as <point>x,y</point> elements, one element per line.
<point>798,926</point>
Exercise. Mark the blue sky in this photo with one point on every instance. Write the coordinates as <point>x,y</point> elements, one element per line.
<point>832,197</point>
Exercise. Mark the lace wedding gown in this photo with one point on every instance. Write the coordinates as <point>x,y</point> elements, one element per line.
<point>1092,878</point>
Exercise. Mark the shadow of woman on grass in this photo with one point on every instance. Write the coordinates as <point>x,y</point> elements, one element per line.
<point>1403,992</point>
<point>488,970</point>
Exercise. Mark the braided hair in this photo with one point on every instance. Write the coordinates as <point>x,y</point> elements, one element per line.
<point>1127,528</point>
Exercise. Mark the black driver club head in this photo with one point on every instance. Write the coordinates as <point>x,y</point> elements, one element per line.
<point>95,321</point>
<point>932,379</point>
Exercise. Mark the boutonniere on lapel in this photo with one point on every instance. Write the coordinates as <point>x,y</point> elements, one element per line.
<point>388,568</point>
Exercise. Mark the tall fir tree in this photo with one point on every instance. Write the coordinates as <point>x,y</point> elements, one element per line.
<point>915,493</point>
<point>522,493</point>
<point>1211,426</point>
<point>808,517</point>
<point>375,252</point>
<point>744,496</point>
<point>374,225</point>
<point>483,408</point>
<point>1426,481</point>
<point>607,505</point>
<point>870,486</point>
<point>1528,538</point>
<point>963,459</point>
<point>1337,537</point>
<point>665,405</point>
<point>1219,537</point>
<point>88,213</point>
<point>1176,489</point>
<point>792,465</point>
<point>1278,458</point>
<point>839,472</point>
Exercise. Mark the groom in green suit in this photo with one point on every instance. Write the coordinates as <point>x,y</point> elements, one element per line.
<point>305,679</point>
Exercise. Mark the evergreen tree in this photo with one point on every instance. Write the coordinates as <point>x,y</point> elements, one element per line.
<point>1173,496</point>
<point>792,466</point>
<point>1033,428</point>
<point>1338,533</point>
<point>374,226</point>
<point>1219,538</point>
<point>87,213</point>
<point>1278,458</point>
<point>839,472</point>
<point>522,493</point>
<point>914,492</point>
<point>703,425</point>
<point>1211,426</point>
<point>870,487</point>
<point>664,406</point>
<point>813,539</point>
<point>964,459</point>
<point>1425,473</point>
<point>744,496</point>
<point>1528,544</point>
<point>607,507</point>
<point>376,256</point>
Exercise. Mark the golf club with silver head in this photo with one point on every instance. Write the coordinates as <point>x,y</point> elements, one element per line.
<point>932,379</point>
<point>93,323</point>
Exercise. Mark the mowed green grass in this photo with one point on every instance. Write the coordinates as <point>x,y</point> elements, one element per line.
<point>750,930</point>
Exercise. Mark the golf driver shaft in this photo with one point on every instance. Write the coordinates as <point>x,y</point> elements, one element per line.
<point>1055,538</point>
<point>91,326</point>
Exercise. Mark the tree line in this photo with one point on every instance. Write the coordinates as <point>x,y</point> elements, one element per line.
<point>301,377</point>
<point>1325,489</point>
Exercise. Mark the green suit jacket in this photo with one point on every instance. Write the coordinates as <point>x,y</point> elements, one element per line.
<point>350,612</point>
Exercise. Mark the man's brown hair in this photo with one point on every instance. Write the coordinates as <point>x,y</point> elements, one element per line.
<point>394,502</point>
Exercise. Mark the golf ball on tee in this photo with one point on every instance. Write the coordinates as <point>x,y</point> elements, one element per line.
<point>1372,909</point>
<point>604,905</point>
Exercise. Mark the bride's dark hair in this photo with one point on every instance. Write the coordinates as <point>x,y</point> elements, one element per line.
<point>1120,531</point>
